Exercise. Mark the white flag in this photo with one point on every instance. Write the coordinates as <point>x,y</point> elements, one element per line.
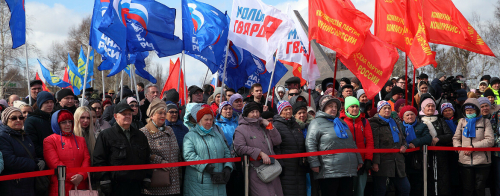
<point>258,28</point>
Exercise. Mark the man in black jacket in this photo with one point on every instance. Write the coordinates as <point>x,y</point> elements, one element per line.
<point>65,100</point>
<point>122,145</point>
<point>37,125</point>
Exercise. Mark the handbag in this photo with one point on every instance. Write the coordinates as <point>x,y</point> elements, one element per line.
<point>161,178</point>
<point>90,192</point>
<point>268,173</point>
<point>41,182</point>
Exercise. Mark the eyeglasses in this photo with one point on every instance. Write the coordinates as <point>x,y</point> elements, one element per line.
<point>134,105</point>
<point>66,122</point>
<point>293,94</point>
<point>14,118</point>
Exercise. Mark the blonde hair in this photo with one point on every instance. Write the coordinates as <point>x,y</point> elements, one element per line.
<point>471,95</point>
<point>79,131</point>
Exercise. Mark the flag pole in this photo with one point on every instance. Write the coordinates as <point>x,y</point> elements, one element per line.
<point>179,83</point>
<point>86,72</point>
<point>184,75</point>
<point>121,87</point>
<point>413,96</point>
<point>132,72</point>
<point>406,79</point>
<point>223,95</point>
<point>131,82</point>
<point>28,74</point>
<point>103,89</point>
<point>204,80</point>
<point>271,81</point>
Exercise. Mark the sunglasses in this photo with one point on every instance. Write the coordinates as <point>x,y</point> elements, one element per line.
<point>134,105</point>
<point>293,94</point>
<point>14,118</point>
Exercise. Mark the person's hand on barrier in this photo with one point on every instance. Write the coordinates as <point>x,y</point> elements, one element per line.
<point>402,149</point>
<point>375,167</point>
<point>210,168</point>
<point>106,187</point>
<point>411,145</point>
<point>434,141</point>
<point>315,169</point>
<point>265,159</point>
<point>227,174</point>
<point>76,179</point>
<point>146,183</point>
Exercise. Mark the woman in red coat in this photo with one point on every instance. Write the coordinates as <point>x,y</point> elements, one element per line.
<point>65,148</point>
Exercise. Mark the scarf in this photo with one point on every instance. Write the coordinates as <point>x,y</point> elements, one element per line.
<point>393,126</point>
<point>339,128</point>
<point>206,131</point>
<point>470,128</point>
<point>410,131</point>
<point>427,120</point>
<point>451,125</point>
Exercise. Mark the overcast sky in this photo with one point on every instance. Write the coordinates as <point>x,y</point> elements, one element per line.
<point>52,20</point>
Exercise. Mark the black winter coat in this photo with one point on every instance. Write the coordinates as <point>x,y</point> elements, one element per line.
<point>58,107</point>
<point>112,148</point>
<point>16,160</point>
<point>293,177</point>
<point>37,125</point>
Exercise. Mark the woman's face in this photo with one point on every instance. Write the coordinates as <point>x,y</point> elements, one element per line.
<point>159,117</point>
<point>301,115</point>
<point>26,110</point>
<point>254,114</point>
<point>423,88</point>
<point>490,98</point>
<point>286,113</point>
<point>217,99</point>
<point>429,109</point>
<point>409,117</point>
<point>448,113</point>
<point>66,125</point>
<point>85,120</point>
<point>227,111</point>
<point>470,111</point>
<point>206,121</point>
<point>331,109</point>
<point>16,121</point>
<point>363,98</point>
<point>353,110</point>
<point>485,109</point>
<point>401,106</point>
<point>281,94</point>
<point>172,115</point>
<point>238,104</point>
<point>385,111</point>
<point>482,87</point>
<point>135,106</point>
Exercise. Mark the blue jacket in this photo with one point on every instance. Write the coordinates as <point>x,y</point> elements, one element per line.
<point>180,130</point>
<point>17,160</point>
<point>201,146</point>
<point>228,126</point>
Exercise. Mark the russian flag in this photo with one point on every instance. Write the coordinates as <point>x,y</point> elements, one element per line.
<point>214,79</point>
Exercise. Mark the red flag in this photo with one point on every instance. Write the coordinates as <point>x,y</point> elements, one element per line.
<point>173,81</point>
<point>390,25</point>
<point>66,78</point>
<point>419,51</point>
<point>446,25</point>
<point>43,83</point>
<point>297,70</point>
<point>373,64</point>
<point>337,25</point>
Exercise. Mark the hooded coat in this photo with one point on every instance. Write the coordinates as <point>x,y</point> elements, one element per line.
<point>293,176</point>
<point>38,127</point>
<point>199,145</point>
<point>70,151</point>
<point>228,126</point>
<point>17,160</point>
<point>249,139</point>
<point>361,132</point>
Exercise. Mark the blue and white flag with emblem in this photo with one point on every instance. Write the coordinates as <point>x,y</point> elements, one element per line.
<point>51,78</point>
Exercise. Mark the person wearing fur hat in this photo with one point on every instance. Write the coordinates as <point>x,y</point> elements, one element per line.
<point>164,147</point>
<point>334,172</point>
<point>65,100</point>
<point>474,131</point>
<point>37,125</point>
<point>417,135</point>
<point>204,142</point>
<point>293,178</point>
<point>362,132</point>
<point>388,134</point>
<point>441,136</point>
<point>63,147</point>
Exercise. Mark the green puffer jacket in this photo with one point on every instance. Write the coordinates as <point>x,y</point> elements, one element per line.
<point>201,146</point>
<point>320,137</point>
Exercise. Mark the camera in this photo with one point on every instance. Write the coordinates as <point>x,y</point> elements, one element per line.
<point>450,86</point>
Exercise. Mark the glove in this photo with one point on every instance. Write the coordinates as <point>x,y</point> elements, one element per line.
<point>106,187</point>
<point>146,183</point>
<point>361,170</point>
<point>227,174</point>
<point>210,168</point>
<point>41,165</point>
<point>368,164</point>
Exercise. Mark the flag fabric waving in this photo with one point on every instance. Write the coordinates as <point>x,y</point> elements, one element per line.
<point>66,78</point>
<point>173,81</point>
<point>419,51</point>
<point>82,59</point>
<point>51,78</point>
<point>75,78</point>
<point>390,25</point>
<point>140,66</point>
<point>373,64</point>
<point>337,25</point>
<point>258,28</point>
<point>446,25</point>
<point>44,87</point>
<point>17,22</point>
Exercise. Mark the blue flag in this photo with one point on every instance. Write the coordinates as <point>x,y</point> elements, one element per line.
<point>17,22</point>
<point>140,67</point>
<point>202,23</point>
<point>74,76</point>
<point>51,78</point>
<point>82,59</point>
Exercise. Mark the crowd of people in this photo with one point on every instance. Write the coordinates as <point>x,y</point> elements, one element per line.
<point>125,128</point>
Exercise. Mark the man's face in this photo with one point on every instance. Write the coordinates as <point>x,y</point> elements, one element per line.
<point>35,89</point>
<point>13,98</point>
<point>257,92</point>
<point>342,83</point>
<point>388,88</point>
<point>292,92</point>
<point>401,83</point>
<point>347,92</point>
<point>47,106</point>
<point>152,93</point>
<point>124,119</point>
<point>495,86</point>
<point>491,99</point>
<point>442,78</point>
<point>228,95</point>
<point>68,101</point>
<point>139,88</point>
<point>197,97</point>
<point>397,96</point>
